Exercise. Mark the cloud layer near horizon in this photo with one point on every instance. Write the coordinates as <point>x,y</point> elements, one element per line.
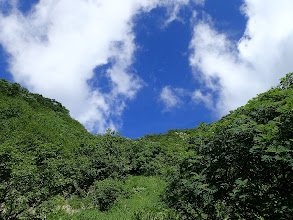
<point>236,72</point>
<point>55,48</point>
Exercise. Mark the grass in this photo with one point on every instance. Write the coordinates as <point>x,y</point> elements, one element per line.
<point>143,202</point>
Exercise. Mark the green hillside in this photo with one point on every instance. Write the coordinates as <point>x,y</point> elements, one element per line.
<point>239,167</point>
<point>37,138</point>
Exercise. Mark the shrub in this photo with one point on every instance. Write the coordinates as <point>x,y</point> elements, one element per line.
<point>105,193</point>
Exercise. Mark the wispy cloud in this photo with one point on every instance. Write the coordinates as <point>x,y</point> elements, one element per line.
<point>175,9</point>
<point>197,96</point>
<point>174,98</point>
<point>55,48</point>
<point>238,71</point>
<point>170,97</point>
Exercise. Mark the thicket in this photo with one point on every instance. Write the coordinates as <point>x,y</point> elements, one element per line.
<point>45,154</point>
<point>239,167</point>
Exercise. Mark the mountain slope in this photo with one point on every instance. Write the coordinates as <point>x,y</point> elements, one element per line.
<point>36,136</point>
<point>239,167</point>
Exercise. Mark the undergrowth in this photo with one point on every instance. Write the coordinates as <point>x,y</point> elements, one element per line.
<point>140,200</point>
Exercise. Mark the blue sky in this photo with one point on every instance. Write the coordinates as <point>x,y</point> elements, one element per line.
<point>146,66</point>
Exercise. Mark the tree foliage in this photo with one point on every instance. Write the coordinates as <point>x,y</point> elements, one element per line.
<point>239,167</point>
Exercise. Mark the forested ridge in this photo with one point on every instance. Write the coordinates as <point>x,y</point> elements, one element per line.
<point>239,167</point>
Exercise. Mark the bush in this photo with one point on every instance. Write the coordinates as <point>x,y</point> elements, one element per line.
<point>105,193</point>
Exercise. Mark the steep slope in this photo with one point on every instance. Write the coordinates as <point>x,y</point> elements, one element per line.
<point>45,155</point>
<point>37,138</point>
<point>23,114</point>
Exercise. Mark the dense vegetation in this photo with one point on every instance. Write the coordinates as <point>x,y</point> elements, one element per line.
<point>239,167</point>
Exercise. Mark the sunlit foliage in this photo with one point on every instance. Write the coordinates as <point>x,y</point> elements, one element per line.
<point>239,167</point>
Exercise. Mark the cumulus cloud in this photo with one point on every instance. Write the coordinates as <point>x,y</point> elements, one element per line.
<point>238,71</point>
<point>55,48</point>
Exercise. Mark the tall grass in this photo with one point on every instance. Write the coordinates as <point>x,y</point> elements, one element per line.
<point>142,202</point>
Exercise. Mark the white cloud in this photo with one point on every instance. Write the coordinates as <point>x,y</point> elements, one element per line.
<point>170,98</point>
<point>197,96</point>
<point>239,71</point>
<point>55,48</point>
<point>176,97</point>
<point>175,9</point>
